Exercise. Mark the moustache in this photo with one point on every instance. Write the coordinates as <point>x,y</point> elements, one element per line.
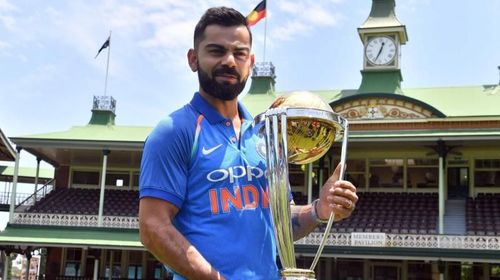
<point>226,71</point>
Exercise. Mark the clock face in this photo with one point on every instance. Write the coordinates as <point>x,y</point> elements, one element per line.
<point>380,50</point>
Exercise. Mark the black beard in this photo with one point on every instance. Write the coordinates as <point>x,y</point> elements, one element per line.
<point>224,91</point>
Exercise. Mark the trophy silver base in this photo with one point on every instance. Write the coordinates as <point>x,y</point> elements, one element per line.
<point>297,274</point>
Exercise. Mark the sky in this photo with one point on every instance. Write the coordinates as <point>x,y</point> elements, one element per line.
<point>48,73</point>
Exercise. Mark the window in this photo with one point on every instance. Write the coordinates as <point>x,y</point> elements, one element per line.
<point>487,173</point>
<point>355,172</point>
<point>297,175</point>
<point>86,177</point>
<point>423,173</point>
<point>350,269</point>
<point>495,272</point>
<point>119,179</point>
<point>114,257</point>
<point>72,266</point>
<point>135,272</point>
<point>72,269</point>
<point>386,173</point>
<point>419,270</point>
<point>135,179</point>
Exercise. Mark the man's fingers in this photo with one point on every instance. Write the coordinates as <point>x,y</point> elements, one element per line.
<point>343,188</point>
<point>336,173</point>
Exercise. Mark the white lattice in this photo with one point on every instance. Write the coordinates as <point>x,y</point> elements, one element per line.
<point>413,241</point>
<point>333,239</point>
<point>75,220</point>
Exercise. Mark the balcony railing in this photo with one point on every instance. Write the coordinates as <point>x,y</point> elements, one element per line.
<point>428,241</point>
<point>75,220</point>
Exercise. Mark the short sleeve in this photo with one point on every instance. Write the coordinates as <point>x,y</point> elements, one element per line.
<point>165,162</point>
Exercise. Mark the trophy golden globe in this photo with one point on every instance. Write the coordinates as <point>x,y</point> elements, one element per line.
<point>298,128</point>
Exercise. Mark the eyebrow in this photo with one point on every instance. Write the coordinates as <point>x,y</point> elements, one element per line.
<point>217,46</point>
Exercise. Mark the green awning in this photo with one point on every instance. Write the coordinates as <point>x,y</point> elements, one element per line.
<point>84,237</point>
<point>27,172</point>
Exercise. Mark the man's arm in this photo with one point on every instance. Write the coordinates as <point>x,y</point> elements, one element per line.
<point>167,244</point>
<point>336,196</point>
<point>303,221</point>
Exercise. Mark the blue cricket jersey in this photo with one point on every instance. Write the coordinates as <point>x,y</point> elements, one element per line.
<point>194,160</point>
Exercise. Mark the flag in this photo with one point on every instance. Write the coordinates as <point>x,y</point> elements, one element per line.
<point>105,45</point>
<point>257,14</point>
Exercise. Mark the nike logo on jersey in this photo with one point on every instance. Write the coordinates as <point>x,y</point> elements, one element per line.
<point>206,152</point>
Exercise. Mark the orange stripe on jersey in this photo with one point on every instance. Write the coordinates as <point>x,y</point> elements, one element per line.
<point>196,135</point>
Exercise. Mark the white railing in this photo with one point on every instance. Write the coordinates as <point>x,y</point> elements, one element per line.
<point>412,241</point>
<point>75,220</point>
<point>334,239</point>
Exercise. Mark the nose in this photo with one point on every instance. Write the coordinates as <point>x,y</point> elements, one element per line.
<point>229,60</point>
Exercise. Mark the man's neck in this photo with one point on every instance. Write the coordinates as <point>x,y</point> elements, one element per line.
<point>227,108</point>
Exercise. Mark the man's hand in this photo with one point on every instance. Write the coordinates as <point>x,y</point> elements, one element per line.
<point>338,196</point>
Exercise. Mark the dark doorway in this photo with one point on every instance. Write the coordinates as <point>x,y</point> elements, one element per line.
<point>458,182</point>
<point>386,272</point>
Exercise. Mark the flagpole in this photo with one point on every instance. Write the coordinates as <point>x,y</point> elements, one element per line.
<point>107,65</point>
<point>265,34</point>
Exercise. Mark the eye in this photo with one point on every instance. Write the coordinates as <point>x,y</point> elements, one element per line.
<point>216,52</point>
<point>241,54</point>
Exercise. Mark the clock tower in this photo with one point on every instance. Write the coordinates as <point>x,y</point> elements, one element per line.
<point>382,35</point>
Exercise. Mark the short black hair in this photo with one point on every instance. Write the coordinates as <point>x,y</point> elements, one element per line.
<point>223,16</point>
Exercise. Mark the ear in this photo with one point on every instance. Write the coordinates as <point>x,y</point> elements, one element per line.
<point>192,60</point>
<point>252,60</point>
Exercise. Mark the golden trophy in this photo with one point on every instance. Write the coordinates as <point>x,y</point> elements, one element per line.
<point>298,128</point>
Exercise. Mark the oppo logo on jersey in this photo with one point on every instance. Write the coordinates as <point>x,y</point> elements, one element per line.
<point>235,172</point>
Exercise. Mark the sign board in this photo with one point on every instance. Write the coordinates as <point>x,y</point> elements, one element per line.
<point>368,239</point>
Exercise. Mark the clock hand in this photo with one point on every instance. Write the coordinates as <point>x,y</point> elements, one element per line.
<point>379,51</point>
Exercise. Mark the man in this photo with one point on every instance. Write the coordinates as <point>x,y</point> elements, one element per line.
<point>203,209</point>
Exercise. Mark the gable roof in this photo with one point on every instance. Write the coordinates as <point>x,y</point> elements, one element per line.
<point>7,152</point>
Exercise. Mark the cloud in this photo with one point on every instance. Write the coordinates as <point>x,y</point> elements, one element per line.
<point>290,30</point>
<point>303,16</point>
<point>159,31</point>
<point>7,20</point>
<point>5,6</point>
<point>4,45</point>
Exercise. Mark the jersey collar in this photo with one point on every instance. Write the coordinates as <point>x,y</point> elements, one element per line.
<point>204,108</point>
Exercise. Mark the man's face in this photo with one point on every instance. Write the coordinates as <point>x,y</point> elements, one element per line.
<point>223,61</point>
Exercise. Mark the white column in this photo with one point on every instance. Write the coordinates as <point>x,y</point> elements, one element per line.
<point>6,264</point>
<point>14,186</point>
<point>309,182</point>
<point>103,185</point>
<point>36,178</point>
<point>96,269</point>
<point>111,258</point>
<point>441,195</point>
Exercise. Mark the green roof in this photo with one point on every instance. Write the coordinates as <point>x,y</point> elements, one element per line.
<point>453,102</point>
<point>383,19</point>
<point>96,133</point>
<point>464,101</point>
<point>7,153</point>
<point>29,235</point>
<point>27,172</point>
